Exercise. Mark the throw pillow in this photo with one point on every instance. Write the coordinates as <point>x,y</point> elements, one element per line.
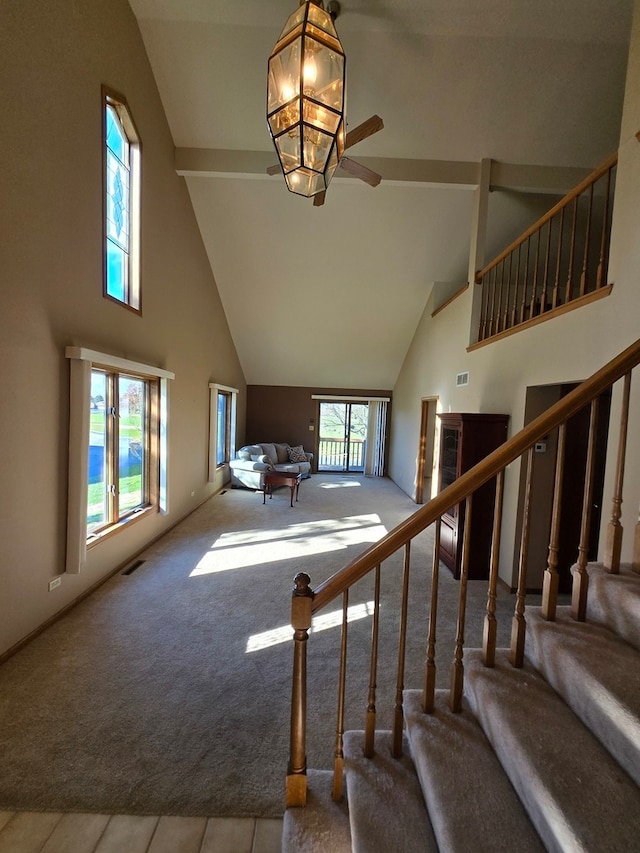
<point>297,454</point>
<point>244,454</point>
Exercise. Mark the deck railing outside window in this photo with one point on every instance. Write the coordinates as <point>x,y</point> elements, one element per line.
<point>332,454</point>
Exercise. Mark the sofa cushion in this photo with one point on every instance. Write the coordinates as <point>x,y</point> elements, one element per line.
<point>244,454</point>
<point>297,454</point>
<point>282,451</point>
<point>270,451</point>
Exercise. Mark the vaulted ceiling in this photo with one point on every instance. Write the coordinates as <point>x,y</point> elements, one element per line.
<point>331,296</point>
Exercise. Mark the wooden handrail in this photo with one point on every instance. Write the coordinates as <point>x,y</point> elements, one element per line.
<point>476,476</point>
<point>591,179</point>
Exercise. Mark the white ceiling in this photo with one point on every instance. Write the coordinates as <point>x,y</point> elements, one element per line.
<point>527,82</point>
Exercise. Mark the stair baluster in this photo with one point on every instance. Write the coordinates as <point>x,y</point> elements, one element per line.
<point>398,717</point>
<point>580,576</point>
<point>556,283</point>
<point>587,244</point>
<point>429,690</point>
<point>613,546</point>
<point>568,293</point>
<point>518,624</point>
<point>604,237</point>
<point>490,624</point>
<point>457,667</point>
<point>551,577</point>
<point>370,724</point>
<point>547,259</point>
<point>525,283</point>
<point>338,764</point>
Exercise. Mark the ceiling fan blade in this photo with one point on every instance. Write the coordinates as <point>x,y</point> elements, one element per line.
<point>362,131</point>
<point>318,199</point>
<point>274,170</point>
<point>359,171</point>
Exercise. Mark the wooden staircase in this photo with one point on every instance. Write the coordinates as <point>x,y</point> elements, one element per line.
<point>533,747</point>
<point>543,757</point>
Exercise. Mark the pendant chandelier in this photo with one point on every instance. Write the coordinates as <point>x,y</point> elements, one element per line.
<point>306,98</point>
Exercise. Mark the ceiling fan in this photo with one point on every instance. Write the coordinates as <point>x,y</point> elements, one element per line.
<point>358,134</point>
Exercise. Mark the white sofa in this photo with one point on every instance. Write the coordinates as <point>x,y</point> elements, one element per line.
<point>253,460</point>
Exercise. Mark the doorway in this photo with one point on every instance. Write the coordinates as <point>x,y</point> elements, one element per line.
<point>342,436</point>
<point>573,482</point>
<point>426,480</point>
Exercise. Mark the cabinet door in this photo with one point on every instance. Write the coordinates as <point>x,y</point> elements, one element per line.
<point>450,460</point>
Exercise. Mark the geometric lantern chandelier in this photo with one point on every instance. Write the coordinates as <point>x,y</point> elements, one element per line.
<point>306,98</point>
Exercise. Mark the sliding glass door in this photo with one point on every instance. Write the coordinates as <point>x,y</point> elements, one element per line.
<point>342,436</point>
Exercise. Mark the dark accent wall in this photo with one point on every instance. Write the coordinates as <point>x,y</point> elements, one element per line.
<point>283,413</point>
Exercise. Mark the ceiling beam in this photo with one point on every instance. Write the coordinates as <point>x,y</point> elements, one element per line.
<point>226,163</point>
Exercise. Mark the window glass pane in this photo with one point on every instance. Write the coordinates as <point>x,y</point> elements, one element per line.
<point>131,467</point>
<point>117,202</point>
<point>221,445</point>
<point>117,271</point>
<point>97,508</point>
<point>116,137</point>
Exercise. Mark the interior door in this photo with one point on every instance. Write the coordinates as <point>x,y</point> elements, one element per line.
<point>342,436</point>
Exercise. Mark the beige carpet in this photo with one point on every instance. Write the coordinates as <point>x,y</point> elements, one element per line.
<point>167,691</point>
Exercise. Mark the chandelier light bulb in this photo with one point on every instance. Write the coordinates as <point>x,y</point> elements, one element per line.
<point>309,72</point>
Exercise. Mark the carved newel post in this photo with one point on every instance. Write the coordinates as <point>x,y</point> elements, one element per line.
<point>302,598</point>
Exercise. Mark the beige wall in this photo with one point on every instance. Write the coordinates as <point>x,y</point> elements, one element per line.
<point>56,54</point>
<point>562,350</point>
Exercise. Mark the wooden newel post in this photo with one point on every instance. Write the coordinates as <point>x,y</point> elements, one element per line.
<point>302,597</point>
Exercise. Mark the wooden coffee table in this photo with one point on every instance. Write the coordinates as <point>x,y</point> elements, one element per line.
<point>273,479</point>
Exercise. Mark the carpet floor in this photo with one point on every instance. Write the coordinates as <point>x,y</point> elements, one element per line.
<point>167,691</point>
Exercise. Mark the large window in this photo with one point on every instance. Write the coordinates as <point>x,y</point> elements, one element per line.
<point>121,203</point>
<point>117,447</point>
<point>121,444</point>
<point>222,427</point>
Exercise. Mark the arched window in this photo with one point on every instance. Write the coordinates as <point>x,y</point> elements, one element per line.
<point>121,203</point>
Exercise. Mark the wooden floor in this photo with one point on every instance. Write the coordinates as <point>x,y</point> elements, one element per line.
<point>46,832</point>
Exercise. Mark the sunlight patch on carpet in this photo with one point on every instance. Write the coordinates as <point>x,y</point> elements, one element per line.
<point>284,633</point>
<point>341,484</point>
<point>257,547</point>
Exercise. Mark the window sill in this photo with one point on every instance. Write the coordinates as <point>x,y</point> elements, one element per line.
<point>113,529</point>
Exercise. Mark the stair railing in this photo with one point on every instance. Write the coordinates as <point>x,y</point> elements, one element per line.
<point>559,263</point>
<point>307,602</point>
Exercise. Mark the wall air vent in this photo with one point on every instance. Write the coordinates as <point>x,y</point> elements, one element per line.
<point>462,379</point>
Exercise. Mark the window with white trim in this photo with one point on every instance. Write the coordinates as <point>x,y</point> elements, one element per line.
<point>121,149</point>
<point>117,447</point>
<point>222,426</point>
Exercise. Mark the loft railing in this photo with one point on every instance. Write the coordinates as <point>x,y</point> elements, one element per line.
<point>559,263</point>
<point>306,602</point>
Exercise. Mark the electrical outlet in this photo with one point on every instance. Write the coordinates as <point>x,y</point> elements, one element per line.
<point>54,583</point>
<point>193,494</point>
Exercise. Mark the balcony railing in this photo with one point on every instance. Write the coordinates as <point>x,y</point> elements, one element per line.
<point>333,453</point>
<point>558,263</point>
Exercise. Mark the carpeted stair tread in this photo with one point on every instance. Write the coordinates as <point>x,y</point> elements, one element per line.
<point>320,826</point>
<point>590,667</point>
<point>386,806</point>
<point>576,795</point>
<point>470,800</point>
<point>614,601</point>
